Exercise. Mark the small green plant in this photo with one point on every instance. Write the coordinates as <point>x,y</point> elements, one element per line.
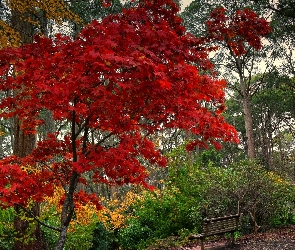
<point>6,228</point>
<point>165,244</point>
<point>183,233</point>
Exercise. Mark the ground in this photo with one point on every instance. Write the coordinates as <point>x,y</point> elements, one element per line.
<point>276,239</point>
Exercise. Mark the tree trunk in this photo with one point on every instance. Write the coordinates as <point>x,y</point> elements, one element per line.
<point>247,109</point>
<point>256,227</point>
<point>22,146</point>
<point>21,226</point>
<point>68,206</point>
<point>67,212</point>
<point>23,143</point>
<point>62,238</point>
<point>249,126</point>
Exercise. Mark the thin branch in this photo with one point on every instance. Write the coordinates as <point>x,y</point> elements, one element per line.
<point>37,220</point>
<point>99,142</point>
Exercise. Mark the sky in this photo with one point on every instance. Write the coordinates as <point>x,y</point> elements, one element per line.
<point>185,3</point>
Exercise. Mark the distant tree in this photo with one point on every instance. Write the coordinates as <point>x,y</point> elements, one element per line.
<point>238,34</point>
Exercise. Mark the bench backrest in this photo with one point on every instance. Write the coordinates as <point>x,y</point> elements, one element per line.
<point>221,225</point>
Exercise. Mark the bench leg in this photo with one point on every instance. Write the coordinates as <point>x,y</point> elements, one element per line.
<point>232,238</point>
<point>202,244</point>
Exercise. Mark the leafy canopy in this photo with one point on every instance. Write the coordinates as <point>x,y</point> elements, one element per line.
<point>121,80</point>
<point>245,27</point>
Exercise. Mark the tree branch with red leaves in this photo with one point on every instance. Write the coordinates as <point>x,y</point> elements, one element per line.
<point>131,74</point>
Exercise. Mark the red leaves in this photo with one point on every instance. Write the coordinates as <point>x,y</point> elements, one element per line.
<point>82,198</point>
<point>191,146</point>
<point>123,78</point>
<point>244,27</point>
<point>165,84</point>
<point>106,3</point>
<point>19,183</point>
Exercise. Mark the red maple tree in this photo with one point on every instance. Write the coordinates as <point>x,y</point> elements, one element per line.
<point>122,79</point>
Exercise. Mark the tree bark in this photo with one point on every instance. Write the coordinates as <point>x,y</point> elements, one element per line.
<point>247,109</point>
<point>67,212</point>
<point>68,206</point>
<point>249,126</point>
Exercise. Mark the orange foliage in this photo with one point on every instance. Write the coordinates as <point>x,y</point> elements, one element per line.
<point>116,210</point>
<point>8,36</point>
<point>113,215</point>
<point>56,10</point>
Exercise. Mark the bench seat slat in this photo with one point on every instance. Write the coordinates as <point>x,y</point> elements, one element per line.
<point>231,224</point>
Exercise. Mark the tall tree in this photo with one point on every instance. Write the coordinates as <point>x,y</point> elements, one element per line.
<point>273,107</point>
<point>23,145</point>
<point>238,33</point>
<point>18,28</point>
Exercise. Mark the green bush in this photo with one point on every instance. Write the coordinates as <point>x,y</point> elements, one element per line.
<point>263,196</point>
<point>134,236</point>
<point>168,213</point>
<point>158,216</point>
<point>102,238</point>
<point>6,228</point>
<point>81,238</point>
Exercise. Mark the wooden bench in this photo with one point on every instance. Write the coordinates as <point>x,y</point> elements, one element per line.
<point>216,226</point>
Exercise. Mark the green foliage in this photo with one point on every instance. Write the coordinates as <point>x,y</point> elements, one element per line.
<point>102,238</point>
<point>172,212</point>
<point>79,236</point>
<point>159,215</point>
<point>194,191</point>
<point>135,235</point>
<point>273,195</point>
<point>6,228</point>
<point>263,196</point>
<point>89,10</point>
<point>211,156</point>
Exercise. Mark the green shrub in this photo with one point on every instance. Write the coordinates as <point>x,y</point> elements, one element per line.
<point>263,196</point>
<point>6,228</point>
<point>168,213</point>
<point>102,238</point>
<point>158,216</point>
<point>134,236</point>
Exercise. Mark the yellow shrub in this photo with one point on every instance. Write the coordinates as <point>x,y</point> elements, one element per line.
<point>113,215</point>
<point>116,210</point>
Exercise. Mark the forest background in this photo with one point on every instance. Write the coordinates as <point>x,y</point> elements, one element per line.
<point>255,176</point>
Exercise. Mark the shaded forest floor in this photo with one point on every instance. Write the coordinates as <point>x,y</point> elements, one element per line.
<point>276,239</point>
